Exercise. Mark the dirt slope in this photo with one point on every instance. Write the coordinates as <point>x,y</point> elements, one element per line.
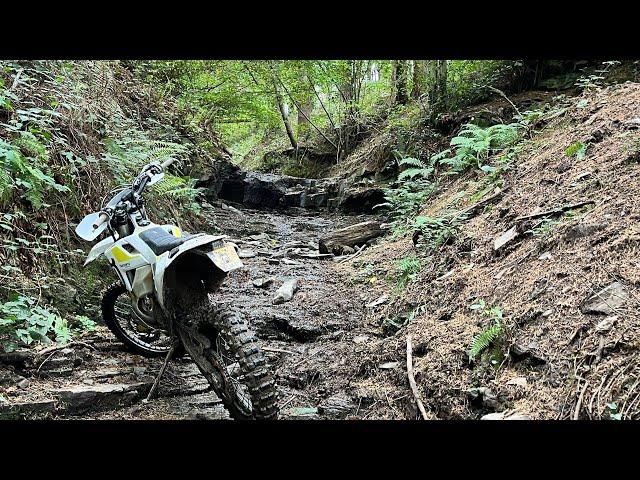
<point>554,361</point>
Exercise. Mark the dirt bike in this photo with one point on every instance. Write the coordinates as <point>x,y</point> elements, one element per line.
<point>163,302</point>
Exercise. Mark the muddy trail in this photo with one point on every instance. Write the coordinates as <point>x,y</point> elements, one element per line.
<point>311,341</point>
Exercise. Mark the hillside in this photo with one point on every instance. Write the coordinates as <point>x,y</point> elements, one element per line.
<point>494,205</point>
<point>559,354</point>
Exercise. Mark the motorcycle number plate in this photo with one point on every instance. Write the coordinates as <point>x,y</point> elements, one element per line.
<point>225,258</point>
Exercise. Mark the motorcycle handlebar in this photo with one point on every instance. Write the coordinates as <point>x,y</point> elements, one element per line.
<point>167,162</point>
<point>101,219</point>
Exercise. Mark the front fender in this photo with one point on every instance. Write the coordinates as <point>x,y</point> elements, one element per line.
<point>98,249</point>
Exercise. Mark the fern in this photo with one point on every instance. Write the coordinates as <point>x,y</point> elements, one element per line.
<point>26,172</point>
<point>483,340</point>
<point>419,169</point>
<point>474,144</point>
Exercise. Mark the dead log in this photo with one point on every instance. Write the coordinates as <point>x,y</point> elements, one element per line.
<point>350,236</point>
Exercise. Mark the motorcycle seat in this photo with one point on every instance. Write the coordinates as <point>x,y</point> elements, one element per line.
<point>160,241</point>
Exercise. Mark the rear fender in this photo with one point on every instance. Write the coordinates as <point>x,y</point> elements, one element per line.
<point>188,257</point>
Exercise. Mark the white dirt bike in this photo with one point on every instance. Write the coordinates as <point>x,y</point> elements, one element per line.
<point>163,303</point>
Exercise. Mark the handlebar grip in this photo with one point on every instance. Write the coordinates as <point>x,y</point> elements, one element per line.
<point>101,219</point>
<point>167,162</point>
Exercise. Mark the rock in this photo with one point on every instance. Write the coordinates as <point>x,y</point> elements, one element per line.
<point>505,416</point>
<point>518,382</point>
<point>485,396</point>
<point>314,200</point>
<point>528,353</point>
<point>19,358</point>
<point>27,409</point>
<point>286,261</point>
<point>139,371</point>
<point>361,199</point>
<point>583,230</point>
<point>505,237</point>
<point>606,300</point>
<point>109,373</point>
<point>286,291</point>
<point>300,330</point>
<point>346,250</point>
<point>263,282</point>
<point>389,365</point>
<point>224,181</point>
<point>606,324</point>
<point>358,339</point>
<point>293,199</point>
<point>82,398</point>
<point>315,256</point>
<point>246,254</point>
<point>382,299</point>
<point>545,256</point>
<point>302,411</point>
<point>24,384</point>
<point>9,378</point>
<point>338,406</point>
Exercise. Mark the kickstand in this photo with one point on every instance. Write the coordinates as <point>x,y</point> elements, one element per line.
<point>160,373</point>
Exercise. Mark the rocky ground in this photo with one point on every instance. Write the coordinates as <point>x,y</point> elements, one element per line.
<point>310,340</point>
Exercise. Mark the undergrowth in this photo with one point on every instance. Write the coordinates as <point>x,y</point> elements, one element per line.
<point>492,334</point>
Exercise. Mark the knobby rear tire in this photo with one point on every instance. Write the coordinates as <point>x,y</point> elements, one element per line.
<point>256,372</point>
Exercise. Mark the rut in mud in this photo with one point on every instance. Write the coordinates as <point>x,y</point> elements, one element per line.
<point>310,340</point>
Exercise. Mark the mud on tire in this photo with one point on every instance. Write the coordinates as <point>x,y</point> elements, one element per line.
<point>219,323</point>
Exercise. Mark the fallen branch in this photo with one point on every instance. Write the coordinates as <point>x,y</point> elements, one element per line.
<point>500,92</point>
<point>66,345</point>
<point>279,350</point>
<point>412,380</point>
<point>475,207</point>
<point>576,412</point>
<point>353,255</point>
<point>554,211</point>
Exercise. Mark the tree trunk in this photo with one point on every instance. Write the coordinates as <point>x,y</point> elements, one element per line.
<point>437,72</point>
<point>419,78</point>
<point>399,78</point>
<point>304,108</point>
<point>283,113</point>
<point>350,236</point>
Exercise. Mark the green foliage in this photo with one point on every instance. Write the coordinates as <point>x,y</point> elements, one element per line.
<point>408,268</point>
<point>467,79</point>
<point>473,145</point>
<point>614,411</point>
<point>84,323</point>
<point>491,334</point>
<point>181,189</point>
<point>410,191</point>
<point>578,149</point>
<point>26,172</point>
<point>437,231</point>
<point>597,78</point>
<point>128,149</point>
<point>419,169</point>
<point>23,322</point>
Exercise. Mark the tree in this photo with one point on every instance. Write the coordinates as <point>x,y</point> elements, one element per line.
<point>399,79</point>
<point>419,78</point>
<point>437,73</point>
<point>283,112</point>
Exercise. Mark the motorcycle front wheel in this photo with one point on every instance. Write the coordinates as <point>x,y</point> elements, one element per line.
<point>119,316</point>
<point>228,355</point>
